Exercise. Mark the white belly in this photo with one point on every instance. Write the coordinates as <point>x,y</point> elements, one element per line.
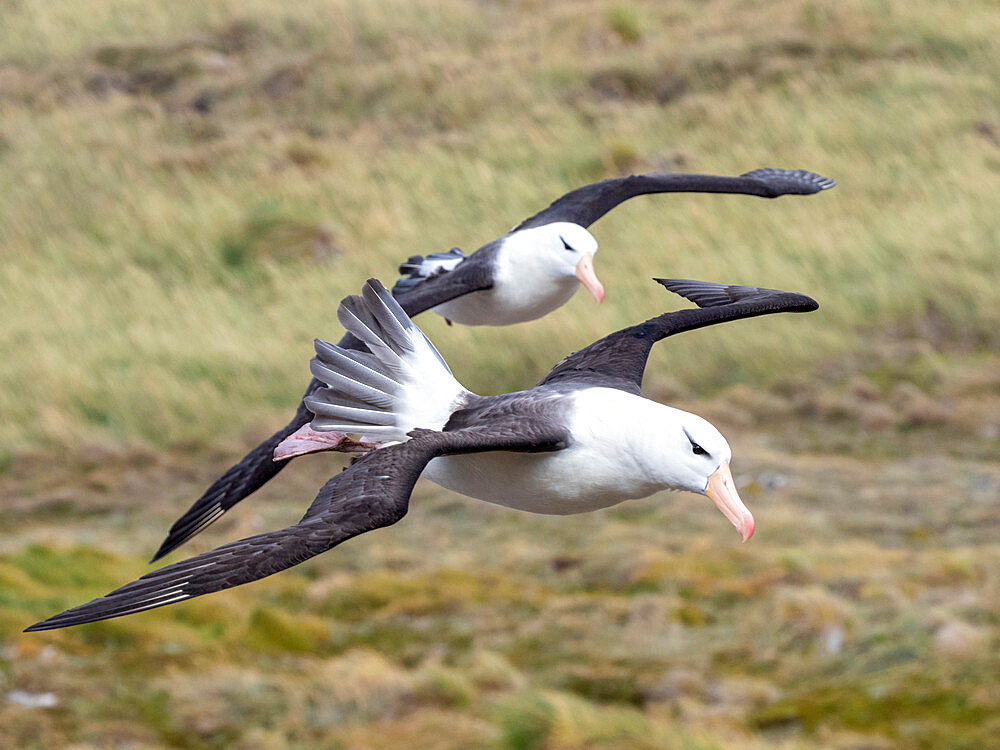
<point>599,468</point>
<point>529,298</point>
<point>574,480</point>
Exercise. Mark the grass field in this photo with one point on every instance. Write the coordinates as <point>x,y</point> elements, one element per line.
<point>191,188</point>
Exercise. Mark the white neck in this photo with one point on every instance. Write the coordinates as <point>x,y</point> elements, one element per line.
<point>648,439</point>
<point>531,279</point>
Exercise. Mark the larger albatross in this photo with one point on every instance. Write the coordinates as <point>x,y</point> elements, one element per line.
<point>527,273</point>
<point>580,440</point>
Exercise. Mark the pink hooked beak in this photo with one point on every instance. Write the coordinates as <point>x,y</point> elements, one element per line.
<point>722,490</point>
<point>585,273</point>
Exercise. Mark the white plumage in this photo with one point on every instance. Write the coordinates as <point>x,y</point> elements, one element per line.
<point>535,273</point>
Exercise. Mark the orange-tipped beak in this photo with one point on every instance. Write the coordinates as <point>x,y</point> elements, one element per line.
<point>722,490</point>
<point>585,272</point>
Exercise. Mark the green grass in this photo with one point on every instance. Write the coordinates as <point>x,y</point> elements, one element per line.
<point>165,267</point>
<point>189,192</point>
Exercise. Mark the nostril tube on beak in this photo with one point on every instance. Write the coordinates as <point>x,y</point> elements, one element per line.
<point>585,273</point>
<point>722,491</point>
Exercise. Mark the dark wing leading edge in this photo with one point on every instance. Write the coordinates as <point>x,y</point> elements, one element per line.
<point>619,359</point>
<point>372,493</point>
<point>586,205</point>
<point>257,467</point>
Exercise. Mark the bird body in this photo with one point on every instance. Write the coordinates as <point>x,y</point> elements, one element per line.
<point>533,271</point>
<point>619,445</point>
<point>614,454</point>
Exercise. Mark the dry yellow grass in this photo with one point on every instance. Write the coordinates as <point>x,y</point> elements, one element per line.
<point>146,153</point>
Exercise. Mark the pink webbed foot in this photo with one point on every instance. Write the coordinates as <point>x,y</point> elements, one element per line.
<point>307,440</point>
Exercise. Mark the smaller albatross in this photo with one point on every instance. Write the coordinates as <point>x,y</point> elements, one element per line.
<point>537,266</point>
<point>580,440</point>
<point>529,272</point>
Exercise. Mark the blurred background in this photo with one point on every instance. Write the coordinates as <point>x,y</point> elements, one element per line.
<point>189,188</point>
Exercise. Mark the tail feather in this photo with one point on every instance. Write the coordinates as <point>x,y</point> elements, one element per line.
<point>381,325</point>
<point>350,391</point>
<point>386,354</point>
<point>400,384</point>
<point>349,414</point>
<point>417,268</point>
<point>358,366</point>
<point>396,330</point>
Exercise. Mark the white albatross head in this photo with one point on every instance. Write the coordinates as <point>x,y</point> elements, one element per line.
<point>638,447</point>
<point>702,457</point>
<point>559,250</point>
<point>678,450</point>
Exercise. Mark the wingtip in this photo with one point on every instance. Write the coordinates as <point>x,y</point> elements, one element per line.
<point>712,294</point>
<point>172,542</point>
<point>168,546</point>
<point>179,536</point>
<point>823,183</point>
<point>187,528</point>
<point>808,303</point>
<point>792,181</point>
<point>49,623</point>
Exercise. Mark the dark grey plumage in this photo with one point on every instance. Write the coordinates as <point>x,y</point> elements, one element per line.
<point>619,359</point>
<point>587,204</point>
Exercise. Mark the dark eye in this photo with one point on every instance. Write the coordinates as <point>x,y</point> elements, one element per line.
<point>695,448</point>
<point>566,245</point>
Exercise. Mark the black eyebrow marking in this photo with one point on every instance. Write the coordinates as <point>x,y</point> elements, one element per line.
<point>695,448</point>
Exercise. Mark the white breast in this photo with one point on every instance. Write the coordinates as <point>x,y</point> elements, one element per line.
<point>597,470</point>
<point>527,285</point>
<point>527,298</point>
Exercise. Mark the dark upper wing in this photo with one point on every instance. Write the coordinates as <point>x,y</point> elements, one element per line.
<point>586,205</point>
<point>257,467</point>
<point>619,359</point>
<point>372,493</point>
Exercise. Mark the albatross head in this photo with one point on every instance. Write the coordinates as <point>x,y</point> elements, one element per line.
<point>692,455</point>
<point>563,250</point>
<point>703,457</point>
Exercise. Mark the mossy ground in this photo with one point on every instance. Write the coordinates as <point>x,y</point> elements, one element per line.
<point>192,187</point>
<point>863,613</point>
